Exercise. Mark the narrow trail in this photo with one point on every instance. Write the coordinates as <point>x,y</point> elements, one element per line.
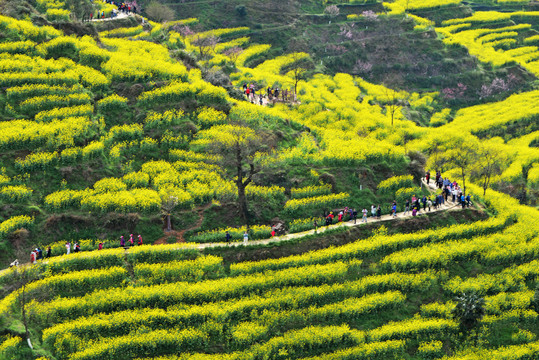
<point>448,206</point>
<point>180,233</point>
<point>121,15</point>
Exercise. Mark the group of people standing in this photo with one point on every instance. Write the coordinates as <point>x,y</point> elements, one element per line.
<point>37,253</point>
<point>125,8</point>
<point>450,189</point>
<point>272,94</point>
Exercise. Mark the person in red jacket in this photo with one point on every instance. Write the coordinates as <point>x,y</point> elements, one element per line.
<point>139,242</point>
<point>33,257</point>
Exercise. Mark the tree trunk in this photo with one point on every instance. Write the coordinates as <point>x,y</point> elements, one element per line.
<point>169,225</point>
<point>242,202</point>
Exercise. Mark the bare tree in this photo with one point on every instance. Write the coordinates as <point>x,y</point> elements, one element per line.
<point>298,70</point>
<point>233,53</point>
<point>205,45</point>
<point>394,100</point>
<point>490,162</point>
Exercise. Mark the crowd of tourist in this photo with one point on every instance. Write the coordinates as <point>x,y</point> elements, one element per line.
<point>449,190</point>
<point>272,94</point>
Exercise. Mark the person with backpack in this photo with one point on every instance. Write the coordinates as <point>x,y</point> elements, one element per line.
<point>77,247</point>
<point>227,235</point>
<point>122,241</point>
<point>33,257</point>
<point>139,242</point>
<point>394,209</point>
<point>379,212</point>
<point>100,246</point>
<point>131,240</point>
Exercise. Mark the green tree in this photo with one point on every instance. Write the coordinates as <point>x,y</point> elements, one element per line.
<point>236,147</point>
<point>159,12</point>
<point>469,311</point>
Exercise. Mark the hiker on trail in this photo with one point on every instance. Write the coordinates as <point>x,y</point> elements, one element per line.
<point>14,263</point>
<point>429,203</point>
<point>394,209</point>
<point>122,241</point>
<point>100,246</point>
<point>48,254</point>
<point>227,237</point>
<point>424,201</point>
<point>315,223</point>
<point>68,247</point>
<point>379,212</point>
<point>39,253</point>
<point>77,247</point>
<point>91,16</point>
<point>340,216</point>
<point>427,177</point>
<point>373,211</point>
<point>406,207</point>
<point>33,257</point>
<point>272,232</point>
<point>468,200</point>
<point>454,194</point>
<point>463,201</point>
<point>139,242</point>
<point>364,219</point>
<point>414,211</point>
<point>260,99</point>
<point>245,237</point>
<point>131,240</point>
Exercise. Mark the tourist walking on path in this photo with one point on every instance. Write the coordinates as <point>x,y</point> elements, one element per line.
<point>245,237</point>
<point>139,243</point>
<point>364,219</point>
<point>122,241</point>
<point>131,240</point>
<point>406,207</point>
<point>379,212</point>
<point>68,248</point>
<point>373,211</point>
<point>227,237</point>
<point>48,254</point>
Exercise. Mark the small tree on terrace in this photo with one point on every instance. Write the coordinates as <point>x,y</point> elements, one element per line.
<point>331,11</point>
<point>159,12</point>
<point>236,147</point>
<point>298,69</point>
<point>394,100</point>
<point>491,161</point>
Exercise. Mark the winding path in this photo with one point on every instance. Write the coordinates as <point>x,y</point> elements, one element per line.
<point>448,206</point>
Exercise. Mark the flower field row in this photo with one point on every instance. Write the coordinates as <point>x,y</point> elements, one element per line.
<point>377,245</point>
<point>238,310</point>
<point>310,191</point>
<point>205,267</point>
<point>71,284</point>
<point>331,201</point>
<point>210,290</point>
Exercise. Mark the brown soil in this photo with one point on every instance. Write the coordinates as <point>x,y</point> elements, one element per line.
<point>178,234</point>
